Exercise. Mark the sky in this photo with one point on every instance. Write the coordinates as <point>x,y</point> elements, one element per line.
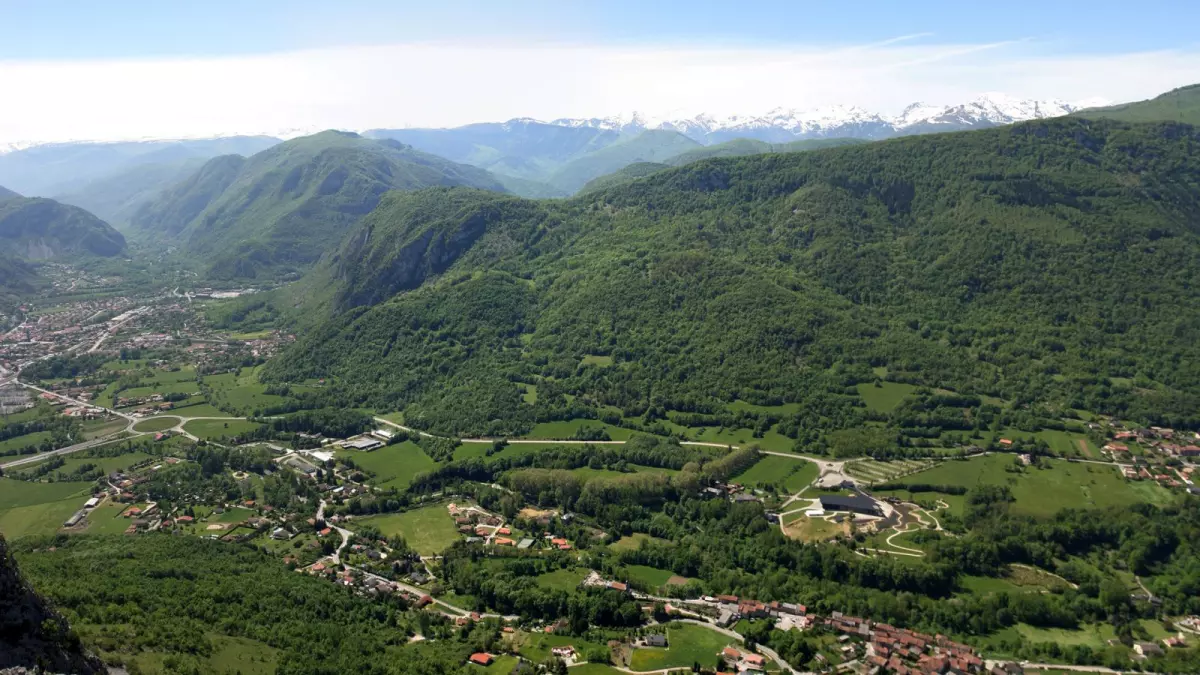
<point>125,69</point>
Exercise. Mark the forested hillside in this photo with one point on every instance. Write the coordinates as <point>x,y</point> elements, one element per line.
<point>648,146</point>
<point>1049,263</point>
<point>43,228</point>
<point>178,204</point>
<point>1177,105</point>
<point>116,197</point>
<point>31,633</point>
<point>279,210</point>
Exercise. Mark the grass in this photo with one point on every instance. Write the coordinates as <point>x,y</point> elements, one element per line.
<point>109,464</point>
<point>98,428</point>
<point>210,429</point>
<point>1039,492</point>
<point>18,493</point>
<point>988,585</point>
<point>18,442</point>
<point>479,450</point>
<point>198,410</point>
<point>156,424</point>
<point>649,577</point>
<point>686,644</point>
<point>427,530</point>
<point>241,391</point>
<point>596,360</point>
<point>567,429</point>
<point>529,392</point>
<point>886,396</point>
<point>37,519</point>
<point>234,515</point>
<point>564,579</point>
<point>792,475</point>
<point>804,528</point>
<point>634,541</point>
<point>230,655</point>
<point>106,519</point>
<point>873,471</point>
<point>393,465</point>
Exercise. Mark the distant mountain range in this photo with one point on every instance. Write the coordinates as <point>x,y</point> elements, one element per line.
<point>790,124</point>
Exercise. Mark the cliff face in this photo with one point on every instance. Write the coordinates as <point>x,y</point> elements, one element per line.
<point>32,635</point>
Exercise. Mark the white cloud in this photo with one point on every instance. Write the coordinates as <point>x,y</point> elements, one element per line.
<point>452,84</point>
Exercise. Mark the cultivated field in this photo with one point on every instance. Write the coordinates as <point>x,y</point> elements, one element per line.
<point>428,530</point>
<point>788,474</point>
<point>871,471</point>
<point>394,466</point>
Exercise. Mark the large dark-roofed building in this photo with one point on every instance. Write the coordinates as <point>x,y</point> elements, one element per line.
<point>858,503</point>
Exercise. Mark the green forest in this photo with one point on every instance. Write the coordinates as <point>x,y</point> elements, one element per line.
<point>1008,262</point>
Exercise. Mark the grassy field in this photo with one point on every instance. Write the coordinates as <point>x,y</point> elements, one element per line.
<point>106,519</point>
<point>241,392</point>
<point>792,475</point>
<point>230,655</point>
<point>97,428</point>
<point>18,442</point>
<point>1039,492</point>
<point>472,450</point>
<point>393,465</point>
<point>156,424</point>
<point>234,515</point>
<point>886,396</point>
<point>633,541</point>
<point>564,579</point>
<point>109,464</point>
<point>18,493</point>
<point>568,428</point>
<point>650,577</point>
<point>596,360</point>
<point>210,429</point>
<point>686,644</point>
<point>800,526</point>
<point>427,530</point>
<point>197,410</point>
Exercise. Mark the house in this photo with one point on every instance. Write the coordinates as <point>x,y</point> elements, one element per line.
<point>731,655</point>
<point>566,652</point>
<point>1006,443</point>
<point>278,533</point>
<point>656,640</point>
<point>858,503</point>
<point>503,530</point>
<point>1116,447</point>
<point>618,586</point>
<point>501,541</point>
<point>731,599</point>
<point>755,661</point>
<point>1174,642</point>
<point>1147,649</point>
<point>481,659</point>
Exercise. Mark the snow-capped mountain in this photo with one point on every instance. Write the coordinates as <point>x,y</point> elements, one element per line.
<point>785,124</point>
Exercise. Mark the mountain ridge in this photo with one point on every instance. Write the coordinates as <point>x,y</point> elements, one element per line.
<point>763,277</point>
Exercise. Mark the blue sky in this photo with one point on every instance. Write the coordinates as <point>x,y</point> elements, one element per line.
<point>114,69</point>
<point>124,28</point>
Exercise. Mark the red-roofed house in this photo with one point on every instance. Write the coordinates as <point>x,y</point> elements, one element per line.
<point>481,659</point>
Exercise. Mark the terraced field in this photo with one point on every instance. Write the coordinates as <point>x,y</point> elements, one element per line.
<point>872,471</point>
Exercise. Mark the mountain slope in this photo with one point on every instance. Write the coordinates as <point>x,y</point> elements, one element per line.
<point>649,146</point>
<point>117,196</point>
<point>6,194</point>
<point>736,148</point>
<point>43,228</point>
<point>1178,105</point>
<point>1009,262</point>
<point>64,168</point>
<point>520,148</point>
<point>32,635</point>
<point>285,206</point>
<point>625,175</point>
<point>174,207</point>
